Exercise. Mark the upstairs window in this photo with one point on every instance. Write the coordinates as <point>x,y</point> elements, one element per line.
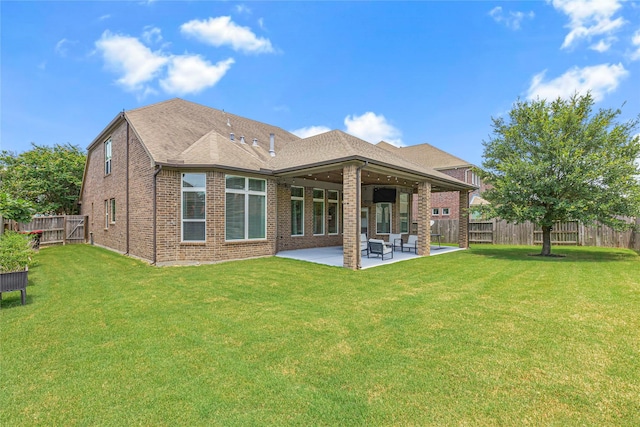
<point>107,157</point>
<point>435,211</point>
<point>445,211</point>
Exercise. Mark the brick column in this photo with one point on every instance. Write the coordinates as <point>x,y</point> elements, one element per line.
<point>424,218</point>
<point>351,206</point>
<point>463,220</point>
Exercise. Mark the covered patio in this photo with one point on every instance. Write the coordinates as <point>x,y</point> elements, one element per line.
<point>334,256</point>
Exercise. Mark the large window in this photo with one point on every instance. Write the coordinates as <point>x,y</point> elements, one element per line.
<point>194,207</point>
<point>333,212</point>
<point>383,218</point>
<point>297,211</point>
<point>107,157</point>
<point>246,208</point>
<point>318,211</point>
<point>404,212</point>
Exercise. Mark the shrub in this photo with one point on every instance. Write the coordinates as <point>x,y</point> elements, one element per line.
<point>15,252</point>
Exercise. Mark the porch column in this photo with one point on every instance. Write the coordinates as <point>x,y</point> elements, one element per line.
<point>351,206</point>
<point>424,218</point>
<point>463,220</point>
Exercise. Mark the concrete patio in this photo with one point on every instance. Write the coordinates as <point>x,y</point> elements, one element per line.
<point>333,256</point>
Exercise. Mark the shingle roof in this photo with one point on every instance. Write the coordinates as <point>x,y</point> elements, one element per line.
<point>426,155</point>
<point>177,131</point>
<point>335,146</point>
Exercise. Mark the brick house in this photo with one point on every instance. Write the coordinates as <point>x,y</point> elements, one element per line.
<point>446,204</point>
<point>178,182</point>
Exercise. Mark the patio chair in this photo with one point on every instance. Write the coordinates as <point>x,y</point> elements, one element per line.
<point>412,243</point>
<point>395,240</point>
<point>379,247</point>
<point>364,243</point>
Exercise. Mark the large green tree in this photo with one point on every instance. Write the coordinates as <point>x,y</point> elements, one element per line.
<point>48,177</point>
<point>560,161</point>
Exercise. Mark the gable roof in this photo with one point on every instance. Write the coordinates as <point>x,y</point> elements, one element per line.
<point>427,155</point>
<point>182,132</point>
<point>336,146</point>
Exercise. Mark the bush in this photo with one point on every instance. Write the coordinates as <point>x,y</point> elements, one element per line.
<point>15,252</point>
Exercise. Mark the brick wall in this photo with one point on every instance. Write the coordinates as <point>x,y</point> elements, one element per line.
<point>288,242</point>
<point>99,187</point>
<point>171,250</point>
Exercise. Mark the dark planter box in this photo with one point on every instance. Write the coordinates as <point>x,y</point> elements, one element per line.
<point>14,281</point>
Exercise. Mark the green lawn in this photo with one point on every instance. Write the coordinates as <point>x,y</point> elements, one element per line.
<point>488,336</point>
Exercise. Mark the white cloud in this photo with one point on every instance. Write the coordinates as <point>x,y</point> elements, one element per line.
<point>192,74</point>
<point>589,18</point>
<point>511,20</point>
<point>151,34</point>
<point>603,45</point>
<point>373,128</point>
<point>62,47</point>
<point>261,23</point>
<point>104,17</point>
<point>242,8</point>
<point>635,40</point>
<point>599,79</point>
<point>310,131</point>
<point>127,56</point>
<point>222,31</point>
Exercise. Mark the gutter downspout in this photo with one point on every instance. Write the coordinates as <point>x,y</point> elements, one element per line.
<point>127,184</point>
<point>358,201</point>
<point>155,232</point>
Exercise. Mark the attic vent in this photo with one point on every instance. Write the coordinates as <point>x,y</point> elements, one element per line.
<point>232,136</point>
<point>255,142</point>
<point>242,139</point>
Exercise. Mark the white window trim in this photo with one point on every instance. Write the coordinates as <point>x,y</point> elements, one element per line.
<point>302,199</point>
<point>435,211</point>
<point>106,214</point>
<point>182,220</point>
<point>112,208</point>
<point>390,218</point>
<point>408,207</point>
<point>446,213</point>
<point>108,155</point>
<point>324,218</point>
<point>246,193</point>
<point>337,203</point>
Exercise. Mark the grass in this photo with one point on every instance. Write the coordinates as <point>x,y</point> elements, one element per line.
<point>488,336</point>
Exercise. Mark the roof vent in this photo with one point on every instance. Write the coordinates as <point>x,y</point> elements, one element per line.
<point>228,122</point>
<point>232,136</point>
<point>255,142</point>
<point>242,139</point>
<point>272,145</point>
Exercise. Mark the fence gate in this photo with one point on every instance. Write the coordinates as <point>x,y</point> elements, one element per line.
<point>75,229</point>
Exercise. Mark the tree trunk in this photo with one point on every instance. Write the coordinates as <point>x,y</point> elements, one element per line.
<point>546,240</point>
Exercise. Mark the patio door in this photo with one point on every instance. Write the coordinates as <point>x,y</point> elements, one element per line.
<point>364,221</point>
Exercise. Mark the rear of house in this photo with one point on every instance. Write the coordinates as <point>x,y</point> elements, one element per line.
<point>177,182</point>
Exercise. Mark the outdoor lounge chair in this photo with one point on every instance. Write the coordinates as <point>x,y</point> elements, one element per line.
<point>364,243</point>
<point>395,241</point>
<point>412,244</point>
<point>379,247</point>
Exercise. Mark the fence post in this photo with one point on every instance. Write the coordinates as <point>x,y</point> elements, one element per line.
<point>64,230</point>
<point>86,228</point>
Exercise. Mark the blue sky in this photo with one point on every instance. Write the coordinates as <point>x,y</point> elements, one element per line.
<point>403,72</point>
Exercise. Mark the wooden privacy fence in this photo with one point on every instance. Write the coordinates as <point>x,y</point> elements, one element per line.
<point>56,229</point>
<point>568,233</point>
